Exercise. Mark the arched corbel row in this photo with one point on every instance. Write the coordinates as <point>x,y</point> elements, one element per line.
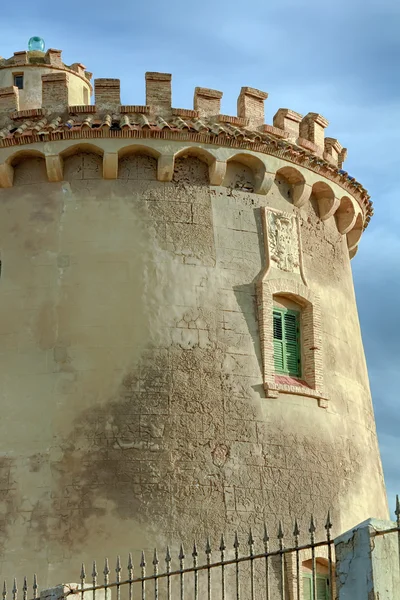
<point>346,215</point>
<point>327,202</point>
<point>54,167</point>
<point>354,236</point>
<point>262,179</point>
<point>217,172</point>
<point>301,191</point>
<point>6,175</point>
<point>353,252</point>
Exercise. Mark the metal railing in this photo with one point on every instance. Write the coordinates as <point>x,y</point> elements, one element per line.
<point>270,574</point>
<point>241,571</point>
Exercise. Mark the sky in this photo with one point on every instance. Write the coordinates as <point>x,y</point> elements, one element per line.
<point>339,59</point>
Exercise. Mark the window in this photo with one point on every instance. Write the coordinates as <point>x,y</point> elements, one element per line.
<point>322,587</point>
<point>19,80</point>
<point>286,342</point>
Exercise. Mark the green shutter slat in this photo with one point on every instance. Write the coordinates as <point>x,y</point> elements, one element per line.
<point>279,356</point>
<point>307,588</point>
<point>278,326</point>
<point>290,320</point>
<point>322,588</point>
<point>286,342</point>
<point>292,359</point>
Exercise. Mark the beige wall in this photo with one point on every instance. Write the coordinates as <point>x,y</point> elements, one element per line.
<point>133,409</point>
<point>31,95</point>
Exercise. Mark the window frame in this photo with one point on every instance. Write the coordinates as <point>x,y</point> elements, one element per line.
<point>311,383</point>
<point>318,577</point>
<point>286,370</point>
<point>15,75</point>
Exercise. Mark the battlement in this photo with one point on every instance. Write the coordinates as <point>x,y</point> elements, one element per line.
<point>292,137</point>
<point>307,132</point>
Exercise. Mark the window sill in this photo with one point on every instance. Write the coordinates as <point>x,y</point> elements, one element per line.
<point>285,384</point>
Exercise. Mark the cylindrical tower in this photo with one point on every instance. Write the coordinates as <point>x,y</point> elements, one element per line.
<point>180,346</point>
<point>24,72</point>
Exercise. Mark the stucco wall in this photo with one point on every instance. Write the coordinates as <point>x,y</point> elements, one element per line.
<point>133,409</point>
<point>31,95</point>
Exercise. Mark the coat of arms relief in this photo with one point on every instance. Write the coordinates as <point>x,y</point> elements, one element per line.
<point>283,245</point>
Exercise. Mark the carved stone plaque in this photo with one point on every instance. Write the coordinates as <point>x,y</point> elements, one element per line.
<point>283,241</point>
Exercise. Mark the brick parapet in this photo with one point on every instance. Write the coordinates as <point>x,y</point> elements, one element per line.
<point>294,138</point>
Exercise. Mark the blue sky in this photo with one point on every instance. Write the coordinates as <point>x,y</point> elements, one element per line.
<point>339,59</point>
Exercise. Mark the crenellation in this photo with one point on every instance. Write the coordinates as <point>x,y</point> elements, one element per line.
<point>288,121</point>
<point>107,94</point>
<point>250,106</point>
<point>55,91</point>
<point>80,69</point>
<point>207,102</point>
<point>333,150</point>
<point>53,57</point>
<point>312,129</point>
<point>9,100</point>
<point>158,91</point>
<point>19,58</point>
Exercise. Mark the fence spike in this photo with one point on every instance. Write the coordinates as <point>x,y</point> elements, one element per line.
<point>94,571</point>
<point>143,561</point>
<point>328,524</point>
<point>222,546</point>
<point>168,556</point>
<point>296,531</point>
<point>35,586</point>
<point>106,571</point>
<point>4,590</point>
<point>25,589</point>
<point>266,536</point>
<point>181,553</point>
<point>236,541</point>
<point>155,557</point>
<point>130,563</point>
<point>208,547</point>
<point>280,531</point>
<point>15,589</point>
<point>118,567</point>
<point>397,511</point>
<point>312,526</point>
<point>130,567</point>
<point>250,542</point>
<point>195,553</point>
<point>83,573</point>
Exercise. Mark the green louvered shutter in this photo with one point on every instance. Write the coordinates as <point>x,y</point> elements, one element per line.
<point>278,342</point>
<point>322,588</point>
<point>292,350</point>
<point>286,342</point>
<point>307,595</point>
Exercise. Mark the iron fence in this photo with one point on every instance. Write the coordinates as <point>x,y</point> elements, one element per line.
<point>240,572</point>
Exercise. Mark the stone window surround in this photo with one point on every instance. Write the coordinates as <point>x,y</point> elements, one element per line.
<point>310,332</point>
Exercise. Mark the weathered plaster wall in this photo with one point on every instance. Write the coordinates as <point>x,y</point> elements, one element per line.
<point>133,409</point>
<point>31,95</point>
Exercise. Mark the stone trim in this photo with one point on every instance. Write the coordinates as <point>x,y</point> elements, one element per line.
<point>264,212</point>
<point>311,338</point>
<point>269,147</point>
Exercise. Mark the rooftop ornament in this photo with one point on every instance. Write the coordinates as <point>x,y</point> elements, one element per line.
<point>36,43</point>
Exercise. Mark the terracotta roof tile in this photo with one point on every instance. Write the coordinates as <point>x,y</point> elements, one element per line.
<point>136,122</point>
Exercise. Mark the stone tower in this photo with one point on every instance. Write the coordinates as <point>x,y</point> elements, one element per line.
<point>180,345</point>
